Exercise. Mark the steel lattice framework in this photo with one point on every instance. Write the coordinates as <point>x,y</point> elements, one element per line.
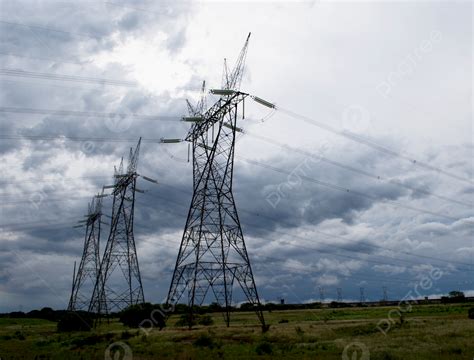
<point>213,255</point>
<point>119,283</point>
<point>85,279</point>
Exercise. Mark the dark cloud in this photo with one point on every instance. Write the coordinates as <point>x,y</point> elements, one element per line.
<point>290,254</point>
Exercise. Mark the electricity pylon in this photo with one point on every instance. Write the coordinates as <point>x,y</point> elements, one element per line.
<point>339,294</point>
<point>362,295</point>
<point>321,294</point>
<point>213,255</point>
<point>118,284</point>
<point>85,278</point>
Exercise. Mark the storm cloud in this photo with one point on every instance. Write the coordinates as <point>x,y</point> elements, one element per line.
<point>346,216</point>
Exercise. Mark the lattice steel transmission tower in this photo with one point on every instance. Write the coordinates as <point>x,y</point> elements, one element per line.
<point>321,294</point>
<point>213,255</point>
<point>362,295</point>
<point>118,284</point>
<point>339,294</point>
<point>85,278</point>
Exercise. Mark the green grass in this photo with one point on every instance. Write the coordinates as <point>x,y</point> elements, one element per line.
<point>428,332</point>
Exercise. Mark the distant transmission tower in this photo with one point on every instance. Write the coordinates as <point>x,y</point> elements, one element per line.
<point>213,255</point>
<point>385,296</point>
<point>321,294</point>
<point>85,278</point>
<point>339,294</point>
<point>118,284</point>
<point>362,295</point>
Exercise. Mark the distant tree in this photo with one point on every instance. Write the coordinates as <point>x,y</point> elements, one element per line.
<point>247,307</point>
<point>75,321</point>
<point>16,314</point>
<point>205,320</point>
<point>196,319</point>
<point>145,315</point>
<point>186,320</point>
<point>214,307</point>
<point>181,308</point>
<point>46,313</point>
<point>270,306</point>
<point>456,294</point>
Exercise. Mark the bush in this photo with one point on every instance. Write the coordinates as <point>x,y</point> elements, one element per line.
<point>299,331</point>
<point>214,307</point>
<point>142,315</point>
<point>16,314</point>
<point>76,321</point>
<point>264,348</point>
<point>470,313</point>
<point>204,340</point>
<point>283,321</point>
<point>248,307</point>
<point>19,335</point>
<point>45,313</point>
<point>87,341</point>
<point>205,320</point>
<point>126,335</point>
<point>185,320</point>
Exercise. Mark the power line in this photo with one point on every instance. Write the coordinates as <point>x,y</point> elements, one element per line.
<point>22,110</point>
<point>7,203</point>
<point>47,28</point>
<point>311,269</point>
<point>73,138</point>
<point>53,180</point>
<point>373,144</point>
<point>343,189</point>
<point>380,247</point>
<point>324,183</point>
<point>282,261</point>
<point>136,9</point>
<point>353,169</point>
<point>59,77</point>
<point>41,191</point>
<point>328,235</point>
<point>321,250</point>
<point>260,256</point>
<point>44,59</point>
<point>280,221</point>
<point>170,118</point>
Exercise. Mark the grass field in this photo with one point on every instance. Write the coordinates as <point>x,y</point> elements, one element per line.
<point>427,332</point>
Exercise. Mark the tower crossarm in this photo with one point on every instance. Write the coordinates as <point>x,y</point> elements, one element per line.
<point>215,114</point>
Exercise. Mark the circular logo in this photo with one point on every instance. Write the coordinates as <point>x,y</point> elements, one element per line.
<point>118,351</point>
<point>356,119</point>
<point>119,122</point>
<point>356,351</point>
<point>87,147</point>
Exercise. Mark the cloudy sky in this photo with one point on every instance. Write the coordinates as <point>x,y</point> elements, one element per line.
<point>319,209</point>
